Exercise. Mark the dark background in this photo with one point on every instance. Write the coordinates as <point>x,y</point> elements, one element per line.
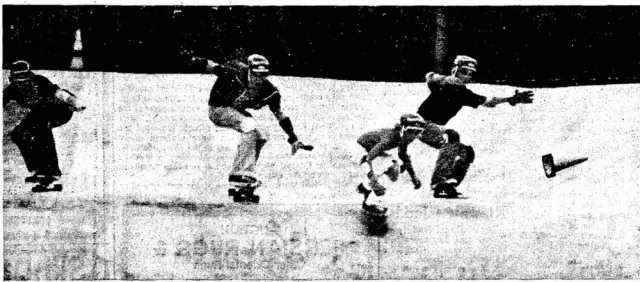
<point>520,45</point>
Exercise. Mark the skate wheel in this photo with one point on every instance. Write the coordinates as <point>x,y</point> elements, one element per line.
<point>255,199</point>
<point>57,187</point>
<point>232,192</point>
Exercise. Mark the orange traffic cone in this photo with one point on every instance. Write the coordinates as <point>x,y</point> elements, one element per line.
<point>564,157</point>
<point>76,62</point>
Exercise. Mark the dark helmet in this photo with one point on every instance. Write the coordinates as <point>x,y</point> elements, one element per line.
<point>20,70</point>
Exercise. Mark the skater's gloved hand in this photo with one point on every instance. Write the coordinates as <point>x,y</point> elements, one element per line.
<point>416,183</point>
<point>297,145</point>
<point>78,108</point>
<point>525,97</point>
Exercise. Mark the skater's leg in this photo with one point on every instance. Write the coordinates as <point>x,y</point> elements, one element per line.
<point>44,142</point>
<point>262,140</point>
<point>23,138</point>
<point>24,135</point>
<point>245,159</point>
<point>251,141</point>
<point>433,135</point>
<point>374,188</point>
<point>454,160</point>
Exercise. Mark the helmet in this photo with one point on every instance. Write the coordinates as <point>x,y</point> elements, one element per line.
<point>465,61</point>
<point>20,70</point>
<point>412,122</point>
<point>464,67</point>
<point>258,64</point>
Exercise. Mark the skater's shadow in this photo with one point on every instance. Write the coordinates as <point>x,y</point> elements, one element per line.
<point>374,226</point>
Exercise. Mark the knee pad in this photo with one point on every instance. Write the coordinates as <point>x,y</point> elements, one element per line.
<point>452,136</point>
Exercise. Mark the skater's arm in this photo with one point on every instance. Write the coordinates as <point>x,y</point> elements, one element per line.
<point>525,97</point>
<point>283,119</point>
<point>406,161</point>
<point>70,99</point>
<point>6,96</point>
<point>494,101</point>
<point>384,145</point>
<point>209,66</point>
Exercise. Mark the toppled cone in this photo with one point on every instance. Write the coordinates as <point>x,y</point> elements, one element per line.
<point>553,164</point>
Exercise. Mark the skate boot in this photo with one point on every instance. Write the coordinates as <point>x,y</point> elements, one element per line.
<point>47,184</point>
<point>364,191</point>
<point>374,207</point>
<point>446,189</point>
<point>243,187</point>
<point>39,177</point>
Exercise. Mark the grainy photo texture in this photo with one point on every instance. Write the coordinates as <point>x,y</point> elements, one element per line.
<point>320,142</point>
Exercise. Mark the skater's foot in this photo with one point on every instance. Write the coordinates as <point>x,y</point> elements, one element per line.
<point>244,181</point>
<point>446,189</point>
<point>450,181</point>
<point>376,209</point>
<point>448,193</point>
<point>53,185</point>
<point>362,190</point>
<point>39,177</point>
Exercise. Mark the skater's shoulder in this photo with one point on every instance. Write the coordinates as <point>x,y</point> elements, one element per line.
<point>230,69</point>
<point>452,81</point>
<point>434,77</point>
<point>39,78</point>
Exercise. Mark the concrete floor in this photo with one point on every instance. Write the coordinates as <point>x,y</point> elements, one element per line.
<point>145,194</point>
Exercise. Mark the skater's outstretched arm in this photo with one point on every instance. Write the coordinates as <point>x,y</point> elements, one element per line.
<point>525,97</point>
<point>406,162</point>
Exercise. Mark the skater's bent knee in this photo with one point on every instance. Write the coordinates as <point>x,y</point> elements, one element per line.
<point>248,125</point>
<point>452,136</point>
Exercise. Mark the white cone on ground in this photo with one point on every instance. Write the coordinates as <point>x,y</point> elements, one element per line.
<point>563,156</point>
<point>76,62</point>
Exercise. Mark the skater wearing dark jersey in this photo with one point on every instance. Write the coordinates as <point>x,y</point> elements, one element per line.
<point>380,167</point>
<point>241,86</point>
<point>448,95</point>
<point>50,107</point>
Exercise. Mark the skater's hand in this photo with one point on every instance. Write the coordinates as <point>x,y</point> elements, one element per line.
<point>79,108</point>
<point>373,179</point>
<point>295,146</point>
<point>525,97</point>
<point>416,183</point>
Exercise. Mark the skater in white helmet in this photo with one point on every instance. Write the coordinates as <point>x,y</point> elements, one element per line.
<point>448,95</point>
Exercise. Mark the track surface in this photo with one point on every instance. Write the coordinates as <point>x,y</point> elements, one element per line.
<point>145,194</point>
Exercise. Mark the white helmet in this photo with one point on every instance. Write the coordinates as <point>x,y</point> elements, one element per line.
<point>464,67</point>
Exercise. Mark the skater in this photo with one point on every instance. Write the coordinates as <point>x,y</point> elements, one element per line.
<point>50,107</point>
<point>241,86</point>
<point>448,95</point>
<point>380,167</point>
